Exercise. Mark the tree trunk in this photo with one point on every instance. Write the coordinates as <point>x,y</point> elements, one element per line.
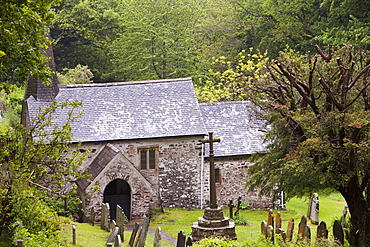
<point>359,231</point>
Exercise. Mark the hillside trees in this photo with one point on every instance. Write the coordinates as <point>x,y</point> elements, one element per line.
<point>23,35</point>
<point>34,161</point>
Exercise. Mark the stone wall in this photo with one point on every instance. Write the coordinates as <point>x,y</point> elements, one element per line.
<point>175,182</point>
<point>233,177</point>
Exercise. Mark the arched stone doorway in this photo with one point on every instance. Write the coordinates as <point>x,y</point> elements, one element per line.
<point>118,192</point>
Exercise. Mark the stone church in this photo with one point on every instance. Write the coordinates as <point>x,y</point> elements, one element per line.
<point>145,144</point>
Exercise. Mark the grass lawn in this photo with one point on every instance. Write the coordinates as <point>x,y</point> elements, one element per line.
<point>174,220</point>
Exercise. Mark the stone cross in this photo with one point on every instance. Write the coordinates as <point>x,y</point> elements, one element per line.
<point>212,179</point>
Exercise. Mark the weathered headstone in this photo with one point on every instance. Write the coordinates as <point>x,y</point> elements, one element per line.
<point>133,235</point>
<point>264,228</point>
<point>278,222</point>
<point>345,212</point>
<point>144,233</point>
<point>118,242</point>
<point>270,219</point>
<point>112,237</point>
<point>338,232</point>
<point>157,237</point>
<point>315,209</point>
<point>137,237</point>
<point>92,216</point>
<point>307,233</point>
<point>74,234</point>
<point>120,220</point>
<point>105,217</point>
<point>189,241</point>
<point>290,230</point>
<point>309,208</point>
<point>283,234</point>
<point>322,231</point>
<point>181,238</point>
<point>231,206</point>
<point>302,227</point>
<point>270,233</point>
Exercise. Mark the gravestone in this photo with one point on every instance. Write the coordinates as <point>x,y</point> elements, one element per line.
<point>133,235</point>
<point>190,241</point>
<point>283,234</point>
<point>213,223</point>
<point>74,234</point>
<point>290,230</point>
<point>104,224</point>
<point>322,231</point>
<point>278,223</point>
<point>157,237</point>
<point>338,232</point>
<point>315,209</point>
<point>120,221</point>
<point>270,233</point>
<point>231,206</point>
<point>181,239</point>
<point>264,228</point>
<point>344,215</point>
<point>92,216</point>
<point>20,243</point>
<point>118,242</point>
<point>137,237</point>
<point>144,233</point>
<point>270,219</point>
<point>307,233</point>
<point>238,205</point>
<point>112,237</point>
<point>302,227</point>
<point>309,208</point>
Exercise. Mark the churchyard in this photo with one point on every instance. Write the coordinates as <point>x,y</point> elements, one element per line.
<point>173,220</point>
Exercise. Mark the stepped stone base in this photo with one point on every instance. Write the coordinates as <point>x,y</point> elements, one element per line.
<point>213,224</point>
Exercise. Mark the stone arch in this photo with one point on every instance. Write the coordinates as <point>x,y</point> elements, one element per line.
<point>118,192</point>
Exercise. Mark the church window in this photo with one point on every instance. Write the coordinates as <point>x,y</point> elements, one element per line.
<point>217,175</point>
<point>148,158</point>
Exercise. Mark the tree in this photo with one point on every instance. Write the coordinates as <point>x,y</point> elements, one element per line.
<point>318,109</point>
<point>32,161</point>
<point>23,35</point>
<point>79,75</point>
<point>159,40</point>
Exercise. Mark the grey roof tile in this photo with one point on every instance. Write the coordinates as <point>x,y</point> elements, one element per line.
<point>234,122</point>
<point>131,110</point>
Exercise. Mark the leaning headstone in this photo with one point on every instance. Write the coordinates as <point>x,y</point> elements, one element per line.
<point>322,231</point>
<point>338,232</point>
<point>283,235</point>
<point>289,233</point>
<point>144,233</point>
<point>118,242</point>
<point>190,241</point>
<point>133,235</point>
<point>92,216</point>
<point>157,237</point>
<point>112,237</point>
<point>345,212</point>
<point>309,208</point>
<point>264,228</point>
<point>278,223</point>
<point>315,209</point>
<point>137,237</point>
<point>105,217</point>
<point>302,227</point>
<point>181,238</point>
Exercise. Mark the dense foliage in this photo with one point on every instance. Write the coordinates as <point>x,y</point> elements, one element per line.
<point>30,161</point>
<point>23,35</point>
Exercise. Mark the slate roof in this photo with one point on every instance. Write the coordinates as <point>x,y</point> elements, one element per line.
<point>131,110</point>
<point>98,164</point>
<point>234,122</point>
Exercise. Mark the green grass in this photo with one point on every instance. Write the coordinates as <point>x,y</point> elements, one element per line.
<point>175,220</point>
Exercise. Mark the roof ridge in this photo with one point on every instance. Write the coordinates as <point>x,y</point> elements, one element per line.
<point>224,103</point>
<point>110,84</point>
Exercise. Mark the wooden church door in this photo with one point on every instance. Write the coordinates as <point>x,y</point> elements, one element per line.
<point>118,192</point>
